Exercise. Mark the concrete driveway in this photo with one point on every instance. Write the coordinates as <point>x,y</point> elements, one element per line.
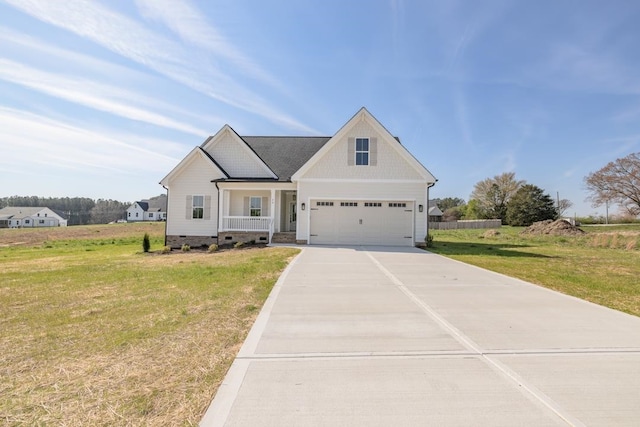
<point>378,336</point>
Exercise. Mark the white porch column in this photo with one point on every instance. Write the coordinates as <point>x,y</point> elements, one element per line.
<point>272,211</point>
<point>220,209</point>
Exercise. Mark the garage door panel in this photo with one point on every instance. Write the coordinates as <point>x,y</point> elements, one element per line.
<point>362,222</point>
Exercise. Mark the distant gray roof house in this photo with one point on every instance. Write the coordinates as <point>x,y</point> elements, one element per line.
<point>27,216</point>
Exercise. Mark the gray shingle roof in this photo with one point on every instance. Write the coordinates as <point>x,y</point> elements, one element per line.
<point>19,211</point>
<point>285,154</point>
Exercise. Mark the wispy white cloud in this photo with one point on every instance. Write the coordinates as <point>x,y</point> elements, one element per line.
<point>574,67</point>
<point>132,40</point>
<point>628,115</point>
<point>95,95</point>
<point>23,48</point>
<point>37,139</point>
<point>185,20</point>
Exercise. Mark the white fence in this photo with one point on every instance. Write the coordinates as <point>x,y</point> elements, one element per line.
<point>466,224</point>
<point>246,223</point>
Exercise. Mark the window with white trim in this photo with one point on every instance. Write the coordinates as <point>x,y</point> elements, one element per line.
<point>324,203</point>
<point>372,204</point>
<point>255,206</point>
<point>349,204</point>
<point>397,205</point>
<point>197,206</point>
<point>362,151</point>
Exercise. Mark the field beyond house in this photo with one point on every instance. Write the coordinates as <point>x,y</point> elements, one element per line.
<point>96,332</point>
<point>602,265</point>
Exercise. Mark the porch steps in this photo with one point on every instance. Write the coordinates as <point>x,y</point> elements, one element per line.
<point>284,237</point>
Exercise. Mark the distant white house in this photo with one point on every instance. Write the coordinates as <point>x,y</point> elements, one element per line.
<point>147,210</point>
<point>28,217</point>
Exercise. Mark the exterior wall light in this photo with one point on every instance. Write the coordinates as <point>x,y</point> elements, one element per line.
<point>420,208</point>
<point>303,206</point>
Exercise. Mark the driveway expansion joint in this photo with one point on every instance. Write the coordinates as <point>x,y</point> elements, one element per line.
<point>468,343</point>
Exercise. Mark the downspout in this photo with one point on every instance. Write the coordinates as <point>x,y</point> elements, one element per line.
<point>427,207</point>
<point>167,218</point>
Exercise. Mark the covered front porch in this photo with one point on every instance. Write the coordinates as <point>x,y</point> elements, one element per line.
<point>256,211</point>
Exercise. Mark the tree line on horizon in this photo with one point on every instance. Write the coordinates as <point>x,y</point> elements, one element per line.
<point>77,210</point>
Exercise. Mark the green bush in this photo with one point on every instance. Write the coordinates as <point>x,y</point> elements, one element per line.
<point>213,248</point>
<point>238,245</point>
<point>146,243</point>
<point>428,240</point>
<point>166,249</point>
<point>186,248</point>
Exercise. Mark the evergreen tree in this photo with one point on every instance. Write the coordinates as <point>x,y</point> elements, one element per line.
<point>528,205</point>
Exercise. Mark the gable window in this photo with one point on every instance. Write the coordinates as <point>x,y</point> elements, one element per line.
<point>197,207</point>
<point>255,206</point>
<point>362,151</point>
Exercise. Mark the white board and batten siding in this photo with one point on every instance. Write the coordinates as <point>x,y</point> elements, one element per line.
<point>194,180</point>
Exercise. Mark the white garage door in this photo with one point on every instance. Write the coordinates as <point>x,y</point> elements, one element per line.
<point>351,222</point>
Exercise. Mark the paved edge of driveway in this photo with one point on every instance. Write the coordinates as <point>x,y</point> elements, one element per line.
<point>223,400</point>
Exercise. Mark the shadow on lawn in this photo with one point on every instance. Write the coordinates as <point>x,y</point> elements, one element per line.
<point>483,249</point>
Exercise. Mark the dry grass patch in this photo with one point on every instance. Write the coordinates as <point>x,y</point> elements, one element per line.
<point>113,336</point>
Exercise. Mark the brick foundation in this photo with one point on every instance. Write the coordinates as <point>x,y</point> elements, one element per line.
<point>176,242</point>
<point>232,237</point>
<point>301,242</point>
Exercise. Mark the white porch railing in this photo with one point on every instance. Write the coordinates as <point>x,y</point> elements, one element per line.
<point>247,223</point>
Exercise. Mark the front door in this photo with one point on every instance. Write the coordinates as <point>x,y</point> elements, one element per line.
<point>292,216</point>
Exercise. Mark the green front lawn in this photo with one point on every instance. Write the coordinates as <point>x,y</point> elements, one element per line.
<point>602,266</point>
<point>95,332</point>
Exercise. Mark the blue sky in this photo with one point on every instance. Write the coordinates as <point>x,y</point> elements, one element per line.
<point>101,99</point>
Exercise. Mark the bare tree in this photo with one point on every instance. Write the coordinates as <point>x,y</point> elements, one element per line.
<point>563,205</point>
<point>493,194</point>
<point>618,182</point>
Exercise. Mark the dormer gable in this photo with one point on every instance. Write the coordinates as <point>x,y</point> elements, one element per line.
<point>235,156</point>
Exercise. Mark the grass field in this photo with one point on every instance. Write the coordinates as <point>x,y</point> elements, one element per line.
<point>602,266</point>
<point>96,332</point>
